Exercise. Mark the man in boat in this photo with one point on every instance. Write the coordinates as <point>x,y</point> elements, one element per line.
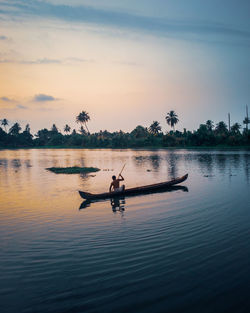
<point>115,184</point>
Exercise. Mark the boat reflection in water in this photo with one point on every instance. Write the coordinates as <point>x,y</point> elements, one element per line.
<point>118,202</point>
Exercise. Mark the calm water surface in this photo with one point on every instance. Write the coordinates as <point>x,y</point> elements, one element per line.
<point>187,250</point>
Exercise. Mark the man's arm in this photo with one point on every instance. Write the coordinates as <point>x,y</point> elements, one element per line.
<point>110,187</point>
<point>121,179</point>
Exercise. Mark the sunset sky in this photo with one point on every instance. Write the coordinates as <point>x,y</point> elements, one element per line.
<point>124,62</point>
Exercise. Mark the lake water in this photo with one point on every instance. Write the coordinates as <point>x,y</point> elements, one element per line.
<point>187,250</point>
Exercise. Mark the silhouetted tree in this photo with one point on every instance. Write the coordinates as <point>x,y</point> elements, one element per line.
<point>246,122</point>
<point>15,129</point>
<point>221,128</point>
<point>5,123</point>
<point>235,128</point>
<point>83,118</point>
<point>54,129</point>
<point>155,128</point>
<point>67,128</point>
<point>43,136</point>
<point>82,130</point>
<point>209,125</point>
<point>27,128</point>
<point>139,132</point>
<point>172,119</point>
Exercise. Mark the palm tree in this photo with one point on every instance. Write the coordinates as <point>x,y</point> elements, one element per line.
<point>5,123</point>
<point>236,128</point>
<point>27,128</point>
<point>246,122</point>
<point>172,118</point>
<point>221,128</point>
<point>83,118</point>
<point>54,129</point>
<point>155,128</point>
<point>209,125</point>
<point>82,130</point>
<point>67,128</point>
<point>15,129</point>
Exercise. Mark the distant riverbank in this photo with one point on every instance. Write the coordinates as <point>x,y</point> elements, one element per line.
<point>219,147</point>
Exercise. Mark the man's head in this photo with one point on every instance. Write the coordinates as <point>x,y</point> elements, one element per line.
<point>114,177</point>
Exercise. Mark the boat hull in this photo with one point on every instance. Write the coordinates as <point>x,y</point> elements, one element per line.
<point>135,190</point>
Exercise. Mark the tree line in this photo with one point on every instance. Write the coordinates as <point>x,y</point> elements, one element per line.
<point>208,134</point>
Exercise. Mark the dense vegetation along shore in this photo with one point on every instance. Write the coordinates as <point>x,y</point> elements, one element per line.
<point>207,135</point>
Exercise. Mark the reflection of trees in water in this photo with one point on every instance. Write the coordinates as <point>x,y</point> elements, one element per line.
<point>173,160</point>
<point>154,161</point>
<point>235,160</point>
<point>206,162</point>
<point>118,204</point>
<point>230,163</point>
<point>139,160</point>
<point>246,165</point>
<point>16,163</point>
<point>4,163</point>
<point>221,162</point>
<point>82,162</point>
<point>27,163</point>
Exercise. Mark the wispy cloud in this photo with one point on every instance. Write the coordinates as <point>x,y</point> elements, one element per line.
<point>11,104</point>
<point>20,106</point>
<point>41,61</point>
<point>6,99</point>
<point>6,61</point>
<point>78,60</point>
<point>43,98</point>
<point>124,20</point>
<point>47,61</point>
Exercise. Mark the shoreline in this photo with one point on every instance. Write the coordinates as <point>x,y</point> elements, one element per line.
<point>225,148</point>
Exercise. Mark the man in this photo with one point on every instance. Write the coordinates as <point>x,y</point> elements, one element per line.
<point>115,184</point>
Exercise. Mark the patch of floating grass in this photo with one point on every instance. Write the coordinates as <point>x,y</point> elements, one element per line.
<point>73,170</point>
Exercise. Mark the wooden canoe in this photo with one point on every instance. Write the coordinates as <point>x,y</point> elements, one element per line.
<point>135,190</point>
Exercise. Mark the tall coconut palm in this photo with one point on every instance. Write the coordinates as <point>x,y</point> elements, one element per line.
<point>83,118</point>
<point>209,125</point>
<point>27,128</point>
<point>172,119</point>
<point>5,123</point>
<point>246,122</point>
<point>82,130</point>
<point>155,128</point>
<point>15,129</point>
<point>67,128</point>
<point>247,119</point>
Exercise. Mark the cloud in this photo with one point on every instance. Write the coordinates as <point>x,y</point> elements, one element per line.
<point>6,61</point>
<point>45,61</point>
<point>6,99</point>
<point>41,61</point>
<point>124,20</point>
<point>43,98</point>
<point>20,106</point>
<point>78,60</point>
